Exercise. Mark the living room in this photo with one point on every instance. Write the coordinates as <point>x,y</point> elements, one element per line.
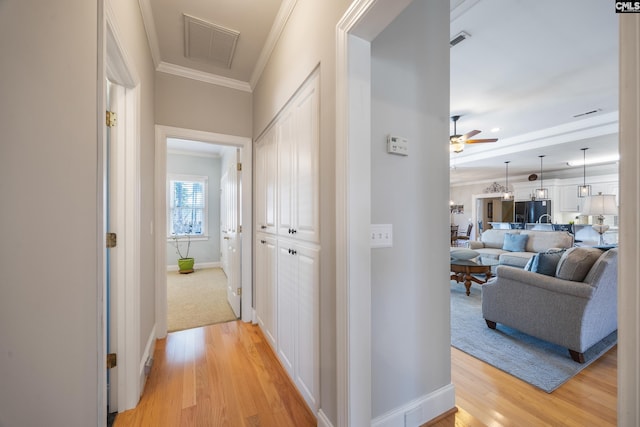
<point>552,105</point>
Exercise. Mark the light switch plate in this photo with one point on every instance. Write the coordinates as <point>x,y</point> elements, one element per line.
<point>381,235</point>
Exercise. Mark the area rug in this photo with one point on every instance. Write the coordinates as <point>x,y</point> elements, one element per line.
<point>542,364</point>
<point>197,299</point>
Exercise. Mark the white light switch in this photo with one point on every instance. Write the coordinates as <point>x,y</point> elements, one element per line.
<point>381,235</point>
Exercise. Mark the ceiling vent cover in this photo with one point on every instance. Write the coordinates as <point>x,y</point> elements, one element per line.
<point>209,42</point>
<point>460,37</point>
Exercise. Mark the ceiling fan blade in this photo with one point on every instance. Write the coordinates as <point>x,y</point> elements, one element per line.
<point>480,141</point>
<point>469,135</point>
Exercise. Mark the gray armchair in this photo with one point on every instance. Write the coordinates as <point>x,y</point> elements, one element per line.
<point>576,309</point>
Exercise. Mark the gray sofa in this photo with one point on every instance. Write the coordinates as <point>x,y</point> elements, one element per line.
<point>575,309</point>
<point>492,241</point>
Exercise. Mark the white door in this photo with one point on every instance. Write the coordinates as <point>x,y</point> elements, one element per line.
<point>112,220</point>
<point>230,215</point>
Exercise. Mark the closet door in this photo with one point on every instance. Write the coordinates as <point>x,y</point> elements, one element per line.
<point>266,171</point>
<point>287,306</point>
<point>286,173</point>
<point>266,281</point>
<point>306,222</point>
<point>308,333</point>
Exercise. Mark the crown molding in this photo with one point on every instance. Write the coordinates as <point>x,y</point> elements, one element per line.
<point>190,73</point>
<point>286,8</point>
<point>150,29</point>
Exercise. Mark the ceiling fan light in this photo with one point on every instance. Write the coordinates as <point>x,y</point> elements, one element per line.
<point>456,147</point>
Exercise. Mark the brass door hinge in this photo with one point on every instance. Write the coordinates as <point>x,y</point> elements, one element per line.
<point>112,360</point>
<point>239,292</point>
<point>112,240</point>
<point>239,167</point>
<point>112,118</point>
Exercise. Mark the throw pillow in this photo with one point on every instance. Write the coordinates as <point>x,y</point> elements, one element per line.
<point>546,262</point>
<point>514,242</point>
<point>529,264</point>
<point>576,262</point>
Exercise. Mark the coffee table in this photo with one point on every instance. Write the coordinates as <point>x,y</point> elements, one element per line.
<point>463,269</point>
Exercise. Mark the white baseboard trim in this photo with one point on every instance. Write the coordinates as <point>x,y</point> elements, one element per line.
<point>323,421</point>
<point>215,264</point>
<point>420,410</point>
<point>148,352</point>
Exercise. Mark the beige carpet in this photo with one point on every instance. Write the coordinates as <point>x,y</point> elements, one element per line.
<point>197,299</point>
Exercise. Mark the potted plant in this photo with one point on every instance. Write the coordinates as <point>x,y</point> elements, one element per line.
<point>185,263</point>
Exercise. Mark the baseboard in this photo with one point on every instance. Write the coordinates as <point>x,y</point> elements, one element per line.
<point>323,421</point>
<point>420,410</point>
<point>148,352</point>
<point>215,264</point>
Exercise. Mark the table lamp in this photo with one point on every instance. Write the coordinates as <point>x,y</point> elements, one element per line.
<point>598,206</point>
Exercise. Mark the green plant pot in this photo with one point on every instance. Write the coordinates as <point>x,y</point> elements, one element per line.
<point>185,265</point>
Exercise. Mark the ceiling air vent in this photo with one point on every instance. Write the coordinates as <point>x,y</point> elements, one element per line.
<point>209,42</point>
<point>461,36</point>
<point>597,110</point>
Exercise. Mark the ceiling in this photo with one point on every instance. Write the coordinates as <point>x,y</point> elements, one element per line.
<point>526,67</point>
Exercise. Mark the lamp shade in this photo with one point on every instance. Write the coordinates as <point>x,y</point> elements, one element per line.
<point>600,204</point>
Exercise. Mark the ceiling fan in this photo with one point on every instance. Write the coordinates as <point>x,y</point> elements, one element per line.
<point>457,141</point>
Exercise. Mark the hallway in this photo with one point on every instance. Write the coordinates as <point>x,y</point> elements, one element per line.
<point>218,375</point>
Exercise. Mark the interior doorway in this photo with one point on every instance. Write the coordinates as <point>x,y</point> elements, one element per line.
<point>238,148</point>
<point>203,219</point>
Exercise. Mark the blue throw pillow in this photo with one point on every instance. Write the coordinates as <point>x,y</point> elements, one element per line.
<point>546,262</point>
<point>529,265</point>
<point>515,242</point>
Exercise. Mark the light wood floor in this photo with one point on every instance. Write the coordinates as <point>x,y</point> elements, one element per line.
<point>226,375</point>
<point>486,396</point>
<point>218,375</point>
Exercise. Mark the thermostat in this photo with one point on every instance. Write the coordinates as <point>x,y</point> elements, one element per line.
<point>397,145</point>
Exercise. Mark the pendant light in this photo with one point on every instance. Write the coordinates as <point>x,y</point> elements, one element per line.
<point>541,193</point>
<point>584,190</point>
<point>508,195</point>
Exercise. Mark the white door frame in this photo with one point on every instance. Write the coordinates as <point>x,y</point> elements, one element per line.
<point>362,22</point>
<point>160,229</point>
<point>119,70</point>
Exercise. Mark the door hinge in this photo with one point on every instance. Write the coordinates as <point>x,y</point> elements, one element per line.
<point>112,360</point>
<point>239,292</point>
<point>239,167</point>
<point>112,240</point>
<point>240,229</point>
<point>112,118</point>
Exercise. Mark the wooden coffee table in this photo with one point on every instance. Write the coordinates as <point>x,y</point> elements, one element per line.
<point>462,270</point>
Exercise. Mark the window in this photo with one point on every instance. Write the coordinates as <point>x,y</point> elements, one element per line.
<point>187,213</point>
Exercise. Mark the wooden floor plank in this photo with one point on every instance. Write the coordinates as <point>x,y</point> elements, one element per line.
<point>219,375</point>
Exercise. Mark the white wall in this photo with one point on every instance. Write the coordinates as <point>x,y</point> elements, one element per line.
<point>203,251</point>
<point>191,104</point>
<point>48,220</point>
<point>409,303</point>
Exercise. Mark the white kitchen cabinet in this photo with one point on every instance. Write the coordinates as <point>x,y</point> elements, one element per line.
<point>569,200</point>
<point>266,279</point>
<point>266,172</point>
<point>298,150</point>
<point>298,316</point>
